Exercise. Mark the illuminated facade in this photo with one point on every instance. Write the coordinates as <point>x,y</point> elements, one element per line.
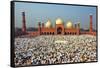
<point>59,29</point>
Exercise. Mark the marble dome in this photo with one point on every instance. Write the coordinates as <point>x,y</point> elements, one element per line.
<point>69,24</point>
<point>48,24</point>
<point>59,21</point>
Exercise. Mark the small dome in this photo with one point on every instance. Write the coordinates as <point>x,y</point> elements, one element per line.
<point>48,24</point>
<point>69,24</point>
<point>59,21</point>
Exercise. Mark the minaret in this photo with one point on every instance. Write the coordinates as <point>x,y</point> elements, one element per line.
<point>23,22</point>
<point>42,25</point>
<point>39,28</point>
<point>90,23</point>
<point>75,25</point>
<point>78,28</point>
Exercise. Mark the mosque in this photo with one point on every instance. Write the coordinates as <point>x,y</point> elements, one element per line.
<point>59,29</point>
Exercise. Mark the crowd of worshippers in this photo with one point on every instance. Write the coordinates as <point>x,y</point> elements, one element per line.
<point>43,50</point>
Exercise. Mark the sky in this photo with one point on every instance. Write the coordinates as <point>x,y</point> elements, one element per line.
<point>39,12</point>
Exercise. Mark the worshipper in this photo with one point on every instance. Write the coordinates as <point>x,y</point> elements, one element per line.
<point>43,49</point>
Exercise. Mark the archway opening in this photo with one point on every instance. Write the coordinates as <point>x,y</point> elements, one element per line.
<point>59,30</point>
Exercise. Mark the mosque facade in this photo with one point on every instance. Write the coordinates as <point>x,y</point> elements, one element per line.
<point>59,29</point>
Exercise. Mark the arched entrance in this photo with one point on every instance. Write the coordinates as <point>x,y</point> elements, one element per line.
<point>59,30</point>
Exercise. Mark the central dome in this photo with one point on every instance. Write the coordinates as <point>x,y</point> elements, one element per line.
<point>48,24</point>
<point>69,24</point>
<point>59,21</point>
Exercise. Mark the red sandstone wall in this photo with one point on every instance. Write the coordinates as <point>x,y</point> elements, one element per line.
<point>61,26</point>
<point>48,30</point>
<point>33,33</point>
<point>93,33</point>
<point>89,33</point>
<point>70,30</point>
